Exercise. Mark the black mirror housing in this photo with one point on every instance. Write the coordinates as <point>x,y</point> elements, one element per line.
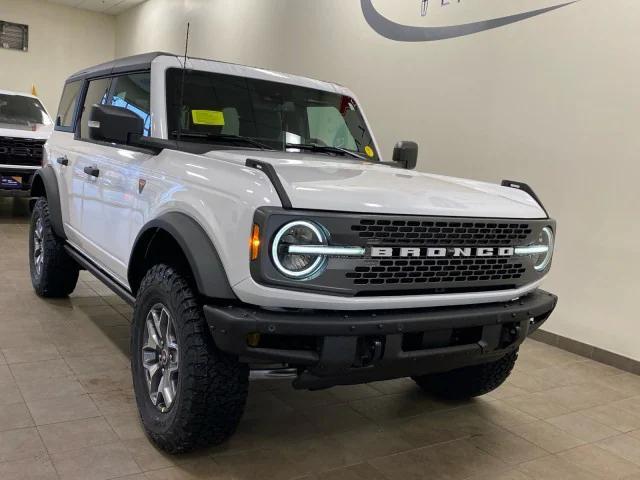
<point>113,124</point>
<point>406,153</point>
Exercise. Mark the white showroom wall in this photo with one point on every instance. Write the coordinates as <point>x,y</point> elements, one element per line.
<point>552,100</point>
<point>62,40</point>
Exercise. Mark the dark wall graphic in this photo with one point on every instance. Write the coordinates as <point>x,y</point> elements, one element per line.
<point>409,33</point>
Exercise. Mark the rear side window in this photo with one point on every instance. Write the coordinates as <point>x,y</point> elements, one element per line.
<point>68,106</point>
<point>97,94</point>
<point>133,92</point>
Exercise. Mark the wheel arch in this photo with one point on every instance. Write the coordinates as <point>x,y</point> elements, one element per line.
<point>195,251</point>
<point>45,184</point>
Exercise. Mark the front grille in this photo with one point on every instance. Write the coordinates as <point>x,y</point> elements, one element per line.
<point>433,272</point>
<point>404,274</point>
<point>438,233</point>
<point>21,151</point>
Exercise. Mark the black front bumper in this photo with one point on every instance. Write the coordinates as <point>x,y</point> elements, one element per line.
<point>339,347</point>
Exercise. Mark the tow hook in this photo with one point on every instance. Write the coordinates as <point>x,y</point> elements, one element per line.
<point>369,351</point>
<point>510,334</point>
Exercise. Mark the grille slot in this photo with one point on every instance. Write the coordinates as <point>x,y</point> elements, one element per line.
<point>438,233</point>
<point>21,151</point>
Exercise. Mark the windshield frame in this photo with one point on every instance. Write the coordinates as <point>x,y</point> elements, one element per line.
<point>163,64</point>
<point>37,103</point>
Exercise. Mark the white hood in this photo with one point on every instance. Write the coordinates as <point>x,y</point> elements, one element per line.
<point>317,183</point>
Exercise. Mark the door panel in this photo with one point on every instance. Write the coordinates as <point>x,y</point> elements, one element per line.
<point>109,198</point>
<point>58,147</point>
<point>108,206</point>
<point>84,188</point>
<point>61,157</point>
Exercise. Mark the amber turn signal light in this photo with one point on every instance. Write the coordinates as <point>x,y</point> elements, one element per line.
<point>254,243</point>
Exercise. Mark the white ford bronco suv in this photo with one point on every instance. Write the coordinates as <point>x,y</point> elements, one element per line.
<point>249,218</point>
<point>24,128</point>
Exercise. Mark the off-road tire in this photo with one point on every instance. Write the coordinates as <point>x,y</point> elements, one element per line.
<point>57,274</point>
<point>212,386</point>
<point>468,382</point>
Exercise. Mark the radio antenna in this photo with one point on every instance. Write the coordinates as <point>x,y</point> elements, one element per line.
<point>184,70</point>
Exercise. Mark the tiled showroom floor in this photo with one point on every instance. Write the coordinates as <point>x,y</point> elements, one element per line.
<point>67,410</point>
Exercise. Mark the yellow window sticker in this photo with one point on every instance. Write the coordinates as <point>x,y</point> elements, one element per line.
<point>208,117</point>
<point>369,151</point>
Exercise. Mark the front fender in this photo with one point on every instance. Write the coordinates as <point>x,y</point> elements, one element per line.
<point>45,184</point>
<point>204,261</point>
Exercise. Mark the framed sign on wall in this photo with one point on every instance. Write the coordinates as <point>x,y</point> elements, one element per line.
<point>14,36</point>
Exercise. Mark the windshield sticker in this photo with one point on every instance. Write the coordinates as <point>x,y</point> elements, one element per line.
<point>208,117</point>
<point>369,151</point>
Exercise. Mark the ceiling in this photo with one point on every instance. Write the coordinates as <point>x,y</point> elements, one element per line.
<point>111,7</point>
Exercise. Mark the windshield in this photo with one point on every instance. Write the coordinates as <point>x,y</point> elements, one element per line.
<point>21,110</point>
<point>252,113</point>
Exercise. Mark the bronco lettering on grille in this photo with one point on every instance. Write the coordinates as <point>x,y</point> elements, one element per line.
<point>440,252</point>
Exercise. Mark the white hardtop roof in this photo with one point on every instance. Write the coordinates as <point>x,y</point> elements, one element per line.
<point>146,60</point>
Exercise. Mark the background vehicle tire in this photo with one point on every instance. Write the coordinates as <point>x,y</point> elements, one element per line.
<point>469,382</point>
<point>54,274</point>
<point>202,398</point>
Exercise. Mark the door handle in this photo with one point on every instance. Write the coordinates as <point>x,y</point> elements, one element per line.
<point>63,161</point>
<point>93,171</point>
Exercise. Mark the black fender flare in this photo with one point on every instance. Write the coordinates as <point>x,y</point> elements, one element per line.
<point>202,256</point>
<point>45,183</point>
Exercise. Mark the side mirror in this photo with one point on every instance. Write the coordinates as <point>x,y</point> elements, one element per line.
<point>113,124</point>
<point>406,153</point>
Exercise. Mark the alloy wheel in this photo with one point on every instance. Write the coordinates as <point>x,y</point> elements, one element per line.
<point>38,251</point>
<point>160,357</point>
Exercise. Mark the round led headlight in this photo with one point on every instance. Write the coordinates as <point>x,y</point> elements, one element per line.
<point>300,266</point>
<point>546,239</point>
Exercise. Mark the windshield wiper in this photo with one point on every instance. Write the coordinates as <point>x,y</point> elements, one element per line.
<point>222,137</point>
<point>324,149</point>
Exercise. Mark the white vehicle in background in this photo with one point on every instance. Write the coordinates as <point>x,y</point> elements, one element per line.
<point>250,219</point>
<point>25,126</point>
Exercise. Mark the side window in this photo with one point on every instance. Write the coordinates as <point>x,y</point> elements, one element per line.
<point>68,105</point>
<point>133,93</point>
<point>97,94</point>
